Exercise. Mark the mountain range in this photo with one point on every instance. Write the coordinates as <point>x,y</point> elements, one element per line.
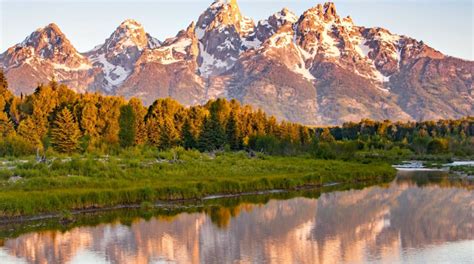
<point>316,68</point>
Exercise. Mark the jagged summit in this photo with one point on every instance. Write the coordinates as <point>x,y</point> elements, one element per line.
<point>45,39</point>
<point>330,9</point>
<point>268,27</point>
<point>131,23</point>
<point>314,67</point>
<point>225,14</point>
<point>221,31</point>
<point>44,53</point>
<point>325,11</point>
<point>117,56</point>
<point>129,34</point>
<point>225,3</point>
<point>46,43</point>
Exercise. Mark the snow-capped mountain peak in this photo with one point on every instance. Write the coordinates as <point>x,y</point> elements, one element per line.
<point>117,56</point>
<point>313,68</point>
<point>128,34</point>
<point>222,15</point>
<point>45,53</point>
<point>48,43</point>
<point>268,27</point>
<point>221,31</point>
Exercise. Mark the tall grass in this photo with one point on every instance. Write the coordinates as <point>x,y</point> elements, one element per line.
<point>127,216</point>
<point>137,176</point>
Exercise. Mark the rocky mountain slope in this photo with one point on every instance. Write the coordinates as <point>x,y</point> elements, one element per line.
<point>317,68</point>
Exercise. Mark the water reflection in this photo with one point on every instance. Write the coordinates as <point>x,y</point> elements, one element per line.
<point>414,218</point>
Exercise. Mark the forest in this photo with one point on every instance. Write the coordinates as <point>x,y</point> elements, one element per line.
<point>54,119</point>
<point>62,150</point>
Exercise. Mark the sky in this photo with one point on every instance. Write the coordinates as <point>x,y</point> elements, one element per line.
<point>446,25</point>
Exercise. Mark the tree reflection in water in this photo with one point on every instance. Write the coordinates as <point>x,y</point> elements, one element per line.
<point>378,223</point>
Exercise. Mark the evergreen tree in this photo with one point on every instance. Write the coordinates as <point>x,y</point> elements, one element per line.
<point>305,135</point>
<point>65,134</point>
<point>140,127</point>
<point>187,137</point>
<point>27,130</point>
<point>13,111</point>
<point>153,130</point>
<point>4,92</point>
<point>110,120</point>
<point>169,136</point>
<point>205,137</point>
<point>234,137</point>
<point>108,117</point>
<point>213,135</point>
<point>438,145</point>
<point>326,136</point>
<point>88,120</point>
<point>6,126</point>
<point>127,126</point>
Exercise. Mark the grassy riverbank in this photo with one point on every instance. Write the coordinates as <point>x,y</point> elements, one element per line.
<point>137,176</point>
<point>220,211</point>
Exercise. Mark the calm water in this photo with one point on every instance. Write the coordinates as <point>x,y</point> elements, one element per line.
<point>420,217</point>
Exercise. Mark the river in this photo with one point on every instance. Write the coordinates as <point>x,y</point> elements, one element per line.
<point>420,217</point>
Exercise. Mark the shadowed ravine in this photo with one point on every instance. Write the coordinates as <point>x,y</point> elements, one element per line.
<point>421,217</point>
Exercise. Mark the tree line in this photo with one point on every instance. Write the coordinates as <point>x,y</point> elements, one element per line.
<point>58,118</point>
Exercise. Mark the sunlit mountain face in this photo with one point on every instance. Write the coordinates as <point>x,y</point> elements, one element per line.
<point>314,68</point>
<point>400,221</point>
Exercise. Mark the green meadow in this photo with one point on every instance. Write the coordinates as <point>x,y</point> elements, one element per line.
<point>141,175</point>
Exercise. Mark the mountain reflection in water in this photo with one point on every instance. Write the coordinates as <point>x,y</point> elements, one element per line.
<point>417,218</point>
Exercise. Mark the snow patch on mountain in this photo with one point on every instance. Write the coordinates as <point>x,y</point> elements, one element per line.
<point>113,74</point>
<point>251,43</point>
<point>390,41</point>
<point>281,39</point>
<point>301,69</point>
<point>210,64</point>
<point>399,58</point>
<point>387,37</point>
<point>362,48</point>
<point>167,54</point>
<point>328,43</point>
<point>180,45</point>
<point>200,33</point>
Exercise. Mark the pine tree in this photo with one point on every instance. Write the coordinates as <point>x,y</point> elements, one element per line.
<point>89,120</point>
<point>326,136</point>
<point>305,136</point>
<point>153,130</point>
<point>205,137</point>
<point>6,126</point>
<point>140,127</point>
<point>169,136</point>
<point>65,134</point>
<point>3,79</point>
<point>187,137</point>
<point>234,137</point>
<point>27,130</point>
<point>14,111</point>
<point>127,126</point>
<point>108,117</point>
<point>4,92</point>
<point>213,135</point>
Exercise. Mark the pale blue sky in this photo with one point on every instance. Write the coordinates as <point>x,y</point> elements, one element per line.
<point>446,25</point>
